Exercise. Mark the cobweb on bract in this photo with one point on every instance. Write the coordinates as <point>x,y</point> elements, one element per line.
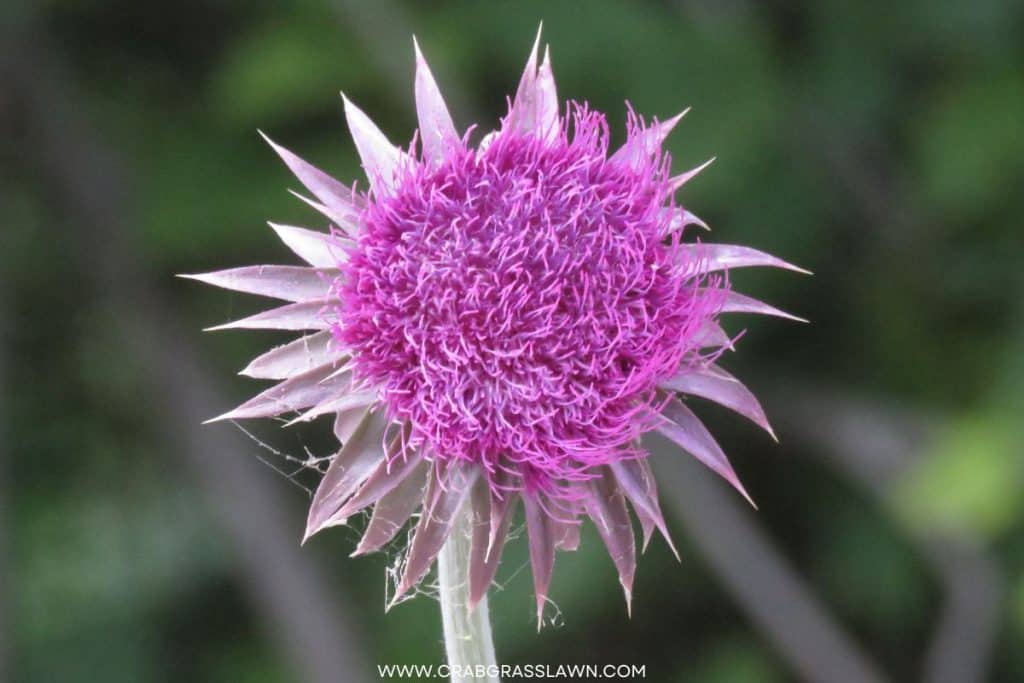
<point>556,620</point>
<point>397,551</point>
<point>293,467</point>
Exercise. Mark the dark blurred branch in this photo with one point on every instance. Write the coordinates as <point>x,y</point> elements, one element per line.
<point>875,444</point>
<point>299,606</point>
<point>962,645</point>
<point>757,576</point>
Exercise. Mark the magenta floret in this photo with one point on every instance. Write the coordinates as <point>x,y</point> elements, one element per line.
<point>518,304</point>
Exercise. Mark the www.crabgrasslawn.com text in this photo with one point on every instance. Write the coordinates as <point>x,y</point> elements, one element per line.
<point>511,672</point>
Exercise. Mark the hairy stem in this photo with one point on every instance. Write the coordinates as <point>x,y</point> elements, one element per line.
<point>467,634</point>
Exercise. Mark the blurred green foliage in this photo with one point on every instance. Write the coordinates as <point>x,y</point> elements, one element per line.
<point>973,480</point>
<point>876,144</point>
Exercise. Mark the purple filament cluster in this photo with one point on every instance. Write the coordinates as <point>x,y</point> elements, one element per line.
<point>518,303</point>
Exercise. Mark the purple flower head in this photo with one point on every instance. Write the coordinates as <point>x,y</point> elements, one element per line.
<point>497,323</point>
<point>518,304</point>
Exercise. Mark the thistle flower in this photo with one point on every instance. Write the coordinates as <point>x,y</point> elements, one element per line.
<point>499,323</point>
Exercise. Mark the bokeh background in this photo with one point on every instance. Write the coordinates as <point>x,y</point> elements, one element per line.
<point>878,144</point>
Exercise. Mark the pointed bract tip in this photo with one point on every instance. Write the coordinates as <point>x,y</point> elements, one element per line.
<point>361,549</point>
<point>668,539</point>
<point>230,415</point>
<point>206,278</point>
<point>734,481</point>
<point>389,604</point>
<point>536,45</point>
<point>678,117</point>
<point>294,421</point>
<point>316,524</point>
<point>311,202</point>
<point>400,592</point>
<point>281,151</point>
<point>678,181</point>
<point>701,224</point>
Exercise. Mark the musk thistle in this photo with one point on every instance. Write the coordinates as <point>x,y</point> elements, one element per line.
<point>500,322</point>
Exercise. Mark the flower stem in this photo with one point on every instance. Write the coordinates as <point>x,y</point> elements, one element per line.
<point>467,634</point>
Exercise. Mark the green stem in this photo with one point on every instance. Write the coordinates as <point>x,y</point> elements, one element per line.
<point>467,634</point>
